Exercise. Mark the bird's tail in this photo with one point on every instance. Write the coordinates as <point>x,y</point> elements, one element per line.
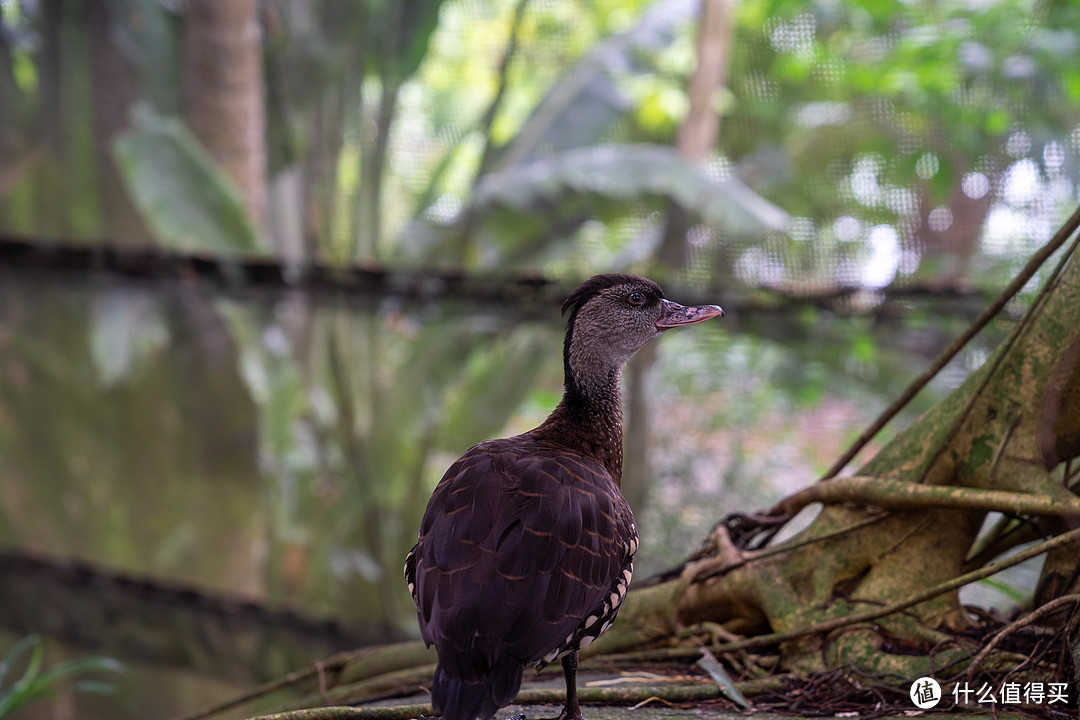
<point>457,699</point>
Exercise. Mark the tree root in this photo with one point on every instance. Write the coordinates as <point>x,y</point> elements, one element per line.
<point>861,647</point>
<point>829,626</point>
<point>391,684</point>
<point>893,495</point>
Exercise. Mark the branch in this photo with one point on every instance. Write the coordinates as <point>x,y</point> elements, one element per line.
<point>241,275</point>
<point>527,292</point>
<point>488,118</point>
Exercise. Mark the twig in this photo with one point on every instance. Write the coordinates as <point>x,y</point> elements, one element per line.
<point>707,569</point>
<point>1031,617</point>
<point>958,344</point>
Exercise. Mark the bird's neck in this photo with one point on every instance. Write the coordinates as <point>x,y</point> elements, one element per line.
<point>589,419</point>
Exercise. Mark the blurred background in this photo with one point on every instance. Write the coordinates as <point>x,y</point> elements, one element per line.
<point>214,479</point>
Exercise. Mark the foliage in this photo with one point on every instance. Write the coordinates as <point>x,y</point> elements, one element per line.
<point>183,195</point>
<point>917,117</point>
<point>593,183</point>
<point>38,682</point>
<point>891,132</point>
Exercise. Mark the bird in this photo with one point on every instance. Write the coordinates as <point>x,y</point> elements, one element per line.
<point>526,549</point>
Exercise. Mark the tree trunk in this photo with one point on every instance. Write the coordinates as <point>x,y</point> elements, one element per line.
<point>698,131</point>
<point>223,92</point>
<point>696,138</point>
<point>949,233</point>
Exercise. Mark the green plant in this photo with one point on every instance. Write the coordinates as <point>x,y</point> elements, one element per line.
<point>38,682</point>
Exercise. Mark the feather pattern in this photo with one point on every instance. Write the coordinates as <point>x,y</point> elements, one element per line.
<point>530,539</point>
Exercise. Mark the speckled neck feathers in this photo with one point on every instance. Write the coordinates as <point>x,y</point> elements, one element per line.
<point>589,419</point>
<point>595,350</point>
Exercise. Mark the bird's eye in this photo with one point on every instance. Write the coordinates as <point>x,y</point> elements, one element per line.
<point>637,299</point>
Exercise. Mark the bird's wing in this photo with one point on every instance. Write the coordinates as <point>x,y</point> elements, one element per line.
<point>518,547</point>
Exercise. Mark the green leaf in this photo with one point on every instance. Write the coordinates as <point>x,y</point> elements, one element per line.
<point>998,121</point>
<point>35,684</point>
<point>521,211</point>
<point>1015,594</point>
<point>184,197</point>
<point>12,655</point>
<point>489,396</point>
<point>26,688</point>
<point>79,666</point>
<point>623,173</point>
<point>864,349</point>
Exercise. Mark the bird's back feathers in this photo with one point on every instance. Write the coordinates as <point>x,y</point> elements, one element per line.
<point>523,545</point>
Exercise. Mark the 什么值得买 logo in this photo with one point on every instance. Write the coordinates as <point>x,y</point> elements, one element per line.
<point>926,693</point>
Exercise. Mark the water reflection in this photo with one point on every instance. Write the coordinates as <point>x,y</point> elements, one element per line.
<point>270,449</point>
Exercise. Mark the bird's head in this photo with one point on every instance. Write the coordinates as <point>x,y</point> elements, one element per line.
<point>613,316</point>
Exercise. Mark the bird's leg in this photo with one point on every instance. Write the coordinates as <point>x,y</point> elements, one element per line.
<point>572,711</point>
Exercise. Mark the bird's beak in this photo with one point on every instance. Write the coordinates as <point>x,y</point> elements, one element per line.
<point>674,314</point>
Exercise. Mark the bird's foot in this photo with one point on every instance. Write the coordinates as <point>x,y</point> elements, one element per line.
<point>563,715</point>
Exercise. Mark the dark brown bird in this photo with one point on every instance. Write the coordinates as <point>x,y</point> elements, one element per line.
<point>526,548</point>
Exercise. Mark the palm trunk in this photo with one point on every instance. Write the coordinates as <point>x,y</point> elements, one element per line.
<point>223,92</point>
